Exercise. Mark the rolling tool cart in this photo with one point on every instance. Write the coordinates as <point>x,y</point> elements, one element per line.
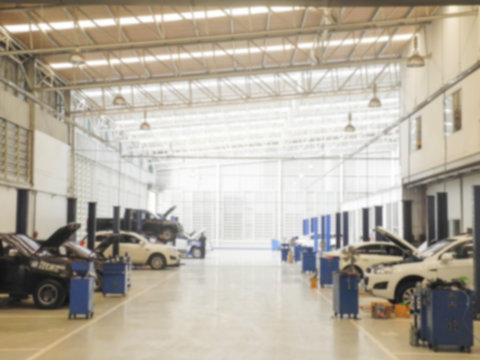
<point>328,265</point>
<point>284,249</point>
<point>446,316</point>
<point>297,252</point>
<point>82,287</point>
<point>116,276</point>
<point>345,294</point>
<point>308,260</point>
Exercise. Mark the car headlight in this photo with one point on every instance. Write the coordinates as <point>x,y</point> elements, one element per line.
<point>383,270</point>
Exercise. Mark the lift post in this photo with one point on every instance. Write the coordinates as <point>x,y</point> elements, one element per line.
<point>345,228</point>
<point>92,225</point>
<point>22,211</point>
<point>442,215</point>
<point>365,225</point>
<point>476,251</point>
<point>127,221</point>
<point>116,229</point>
<point>378,222</point>
<point>338,230</point>
<point>430,219</point>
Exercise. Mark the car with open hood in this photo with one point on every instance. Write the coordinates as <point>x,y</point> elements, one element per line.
<point>74,251</point>
<point>446,259</point>
<point>370,253</point>
<point>138,248</point>
<point>193,244</point>
<point>28,268</point>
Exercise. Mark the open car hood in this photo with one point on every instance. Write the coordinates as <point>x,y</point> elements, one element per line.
<point>404,244</point>
<point>60,236</point>
<point>169,211</point>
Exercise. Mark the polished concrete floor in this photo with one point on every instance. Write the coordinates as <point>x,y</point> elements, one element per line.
<point>233,305</point>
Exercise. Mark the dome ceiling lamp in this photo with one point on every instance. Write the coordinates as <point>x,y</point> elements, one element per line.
<point>349,127</point>
<point>375,101</point>
<point>415,60</point>
<point>145,124</point>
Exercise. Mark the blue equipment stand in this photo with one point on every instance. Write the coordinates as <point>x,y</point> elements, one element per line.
<point>309,261</point>
<point>284,249</point>
<point>449,319</point>
<point>345,294</point>
<point>327,267</point>
<point>81,290</point>
<point>116,277</point>
<point>418,330</point>
<point>297,252</point>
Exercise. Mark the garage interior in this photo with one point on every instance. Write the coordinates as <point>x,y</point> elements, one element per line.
<point>224,155</point>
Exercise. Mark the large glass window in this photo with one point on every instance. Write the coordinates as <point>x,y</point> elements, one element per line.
<point>453,113</point>
<point>415,133</point>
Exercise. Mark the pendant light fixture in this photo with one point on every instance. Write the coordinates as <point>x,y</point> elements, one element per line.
<point>349,127</point>
<point>415,60</point>
<point>76,58</point>
<point>145,125</point>
<point>375,101</point>
<point>119,100</point>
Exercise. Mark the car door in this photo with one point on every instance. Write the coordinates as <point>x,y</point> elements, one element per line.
<point>394,253</point>
<point>371,254</point>
<point>132,246</point>
<point>459,266</point>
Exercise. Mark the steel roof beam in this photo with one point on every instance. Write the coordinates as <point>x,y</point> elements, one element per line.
<point>248,72</point>
<point>259,35</point>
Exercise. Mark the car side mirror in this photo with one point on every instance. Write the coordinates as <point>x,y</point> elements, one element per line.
<point>446,258</point>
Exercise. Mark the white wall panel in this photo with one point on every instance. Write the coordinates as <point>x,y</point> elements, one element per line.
<point>8,208</point>
<point>50,213</point>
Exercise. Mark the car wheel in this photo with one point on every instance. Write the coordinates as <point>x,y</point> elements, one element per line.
<point>49,294</point>
<point>405,293</point>
<point>157,262</point>
<point>168,235</point>
<point>197,252</point>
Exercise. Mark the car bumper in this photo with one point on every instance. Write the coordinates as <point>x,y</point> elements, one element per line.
<point>379,286</point>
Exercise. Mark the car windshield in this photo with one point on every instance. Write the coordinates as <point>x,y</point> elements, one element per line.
<point>438,246</point>
<point>78,249</point>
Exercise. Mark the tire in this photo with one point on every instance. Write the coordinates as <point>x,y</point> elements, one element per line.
<point>49,294</point>
<point>157,262</point>
<point>197,252</point>
<point>168,235</point>
<point>405,292</point>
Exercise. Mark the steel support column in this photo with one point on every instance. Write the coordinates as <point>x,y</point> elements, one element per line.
<point>378,222</point>
<point>91,225</point>
<point>327,233</point>
<point>430,219</point>
<point>407,221</point>
<point>476,249</point>
<point>22,211</point>
<point>345,228</point>
<point>127,221</point>
<point>365,225</point>
<point>338,230</point>
<point>315,233</point>
<point>442,215</point>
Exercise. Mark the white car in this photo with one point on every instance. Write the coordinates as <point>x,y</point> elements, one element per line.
<point>368,254</point>
<point>446,260</point>
<point>140,250</point>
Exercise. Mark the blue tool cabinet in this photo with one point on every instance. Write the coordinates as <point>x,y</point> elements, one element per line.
<point>345,294</point>
<point>284,249</point>
<point>81,297</point>
<point>82,289</point>
<point>308,260</point>
<point>327,267</point>
<point>449,318</point>
<point>297,252</point>
<point>115,277</point>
